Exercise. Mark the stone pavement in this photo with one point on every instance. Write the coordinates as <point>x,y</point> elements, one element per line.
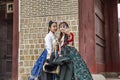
<point>98,77</point>
<point>106,76</point>
<point>117,78</point>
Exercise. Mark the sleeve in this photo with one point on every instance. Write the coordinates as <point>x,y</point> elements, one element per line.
<point>48,45</point>
<point>71,37</point>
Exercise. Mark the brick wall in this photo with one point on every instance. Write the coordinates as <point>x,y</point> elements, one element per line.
<point>34,18</point>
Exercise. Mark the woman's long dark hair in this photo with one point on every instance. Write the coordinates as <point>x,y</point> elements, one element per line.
<point>61,34</point>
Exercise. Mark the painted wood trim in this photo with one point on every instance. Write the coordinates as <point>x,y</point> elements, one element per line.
<point>15,41</point>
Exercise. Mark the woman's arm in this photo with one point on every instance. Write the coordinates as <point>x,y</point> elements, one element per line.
<point>48,45</point>
<point>71,37</point>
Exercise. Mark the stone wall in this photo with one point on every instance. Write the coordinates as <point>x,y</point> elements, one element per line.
<point>34,18</point>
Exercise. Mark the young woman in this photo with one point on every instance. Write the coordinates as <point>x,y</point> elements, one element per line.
<point>51,38</point>
<point>66,37</point>
<point>37,72</point>
<point>73,66</point>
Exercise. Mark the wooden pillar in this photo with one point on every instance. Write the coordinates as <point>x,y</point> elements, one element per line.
<point>108,58</point>
<point>113,33</point>
<point>87,33</point>
<point>15,42</point>
<point>112,40</point>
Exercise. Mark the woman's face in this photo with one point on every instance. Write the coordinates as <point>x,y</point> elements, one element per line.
<point>53,27</point>
<point>62,27</point>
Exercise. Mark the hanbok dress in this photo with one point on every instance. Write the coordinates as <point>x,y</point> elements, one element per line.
<point>37,72</point>
<point>73,67</point>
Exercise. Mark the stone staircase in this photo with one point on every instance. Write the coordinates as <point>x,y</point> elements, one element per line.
<point>112,79</point>
<point>112,76</point>
<point>106,76</point>
<point>98,77</point>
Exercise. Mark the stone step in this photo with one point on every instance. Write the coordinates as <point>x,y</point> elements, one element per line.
<point>112,79</point>
<point>111,74</point>
<point>98,77</point>
<point>106,76</point>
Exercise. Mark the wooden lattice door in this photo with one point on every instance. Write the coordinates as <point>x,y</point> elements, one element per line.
<point>6,32</point>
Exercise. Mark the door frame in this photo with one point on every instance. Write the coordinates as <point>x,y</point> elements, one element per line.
<point>89,10</point>
<point>87,35</point>
<point>15,40</point>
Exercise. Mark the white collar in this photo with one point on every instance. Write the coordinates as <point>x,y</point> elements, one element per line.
<point>51,33</point>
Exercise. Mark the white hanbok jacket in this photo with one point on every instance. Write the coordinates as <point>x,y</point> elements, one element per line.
<point>50,43</point>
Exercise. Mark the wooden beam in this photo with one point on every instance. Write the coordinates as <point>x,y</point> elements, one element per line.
<point>15,41</point>
<point>87,33</point>
<point>114,55</point>
<point>2,3</point>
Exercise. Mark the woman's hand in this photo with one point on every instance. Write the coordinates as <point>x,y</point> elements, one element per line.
<point>66,31</point>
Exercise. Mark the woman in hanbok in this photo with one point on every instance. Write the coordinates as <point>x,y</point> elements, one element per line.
<point>71,63</point>
<point>37,72</point>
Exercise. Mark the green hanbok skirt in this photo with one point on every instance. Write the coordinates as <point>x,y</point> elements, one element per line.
<point>80,70</point>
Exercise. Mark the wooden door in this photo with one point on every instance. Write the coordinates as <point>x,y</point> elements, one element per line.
<point>100,35</point>
<point>6,31</point>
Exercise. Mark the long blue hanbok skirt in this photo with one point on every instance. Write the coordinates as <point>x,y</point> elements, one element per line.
<point>37,69</point>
